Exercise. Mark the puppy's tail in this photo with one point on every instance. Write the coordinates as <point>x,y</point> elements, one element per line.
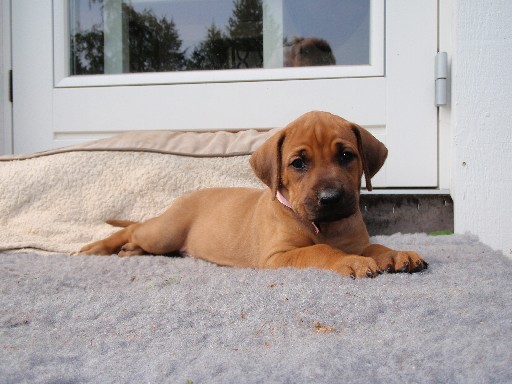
<point>121,223</point>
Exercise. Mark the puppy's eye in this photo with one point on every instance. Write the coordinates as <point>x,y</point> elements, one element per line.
<point>298,164</point>
<point>346,157</point>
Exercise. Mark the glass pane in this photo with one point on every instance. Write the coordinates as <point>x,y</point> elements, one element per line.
<point>326,32</point>
<point>115,36</point>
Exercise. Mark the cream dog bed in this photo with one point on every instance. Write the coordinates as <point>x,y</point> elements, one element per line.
<point>59,200</point>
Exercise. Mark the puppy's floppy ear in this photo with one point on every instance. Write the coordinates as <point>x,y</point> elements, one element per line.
<point>266,161</point>
<point>373,153</point>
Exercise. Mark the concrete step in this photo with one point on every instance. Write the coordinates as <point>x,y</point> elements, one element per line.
<point>385,214</point>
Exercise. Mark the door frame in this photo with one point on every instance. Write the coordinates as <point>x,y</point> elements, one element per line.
<point>445,33</point>
<point>6,133</point>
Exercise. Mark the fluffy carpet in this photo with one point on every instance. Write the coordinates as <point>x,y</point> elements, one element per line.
<point>78,319</point>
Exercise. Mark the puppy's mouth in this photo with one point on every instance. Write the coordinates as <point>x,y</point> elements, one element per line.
<point>329,217</point>
<point>330,206</point>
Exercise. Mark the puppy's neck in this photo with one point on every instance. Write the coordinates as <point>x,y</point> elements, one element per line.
<point>287,204</point>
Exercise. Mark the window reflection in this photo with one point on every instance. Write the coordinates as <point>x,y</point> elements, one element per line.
<point>114,36</point>
<point>307,52</point>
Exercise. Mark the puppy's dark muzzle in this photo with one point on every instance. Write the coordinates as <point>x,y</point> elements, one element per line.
<point>333,205</point>
<point>330,197</point>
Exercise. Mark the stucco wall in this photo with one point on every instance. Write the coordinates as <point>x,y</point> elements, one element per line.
<point>482,121</point>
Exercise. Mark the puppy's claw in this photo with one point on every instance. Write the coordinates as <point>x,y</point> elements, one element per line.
<point>419,266</point>
<point>405,268</point>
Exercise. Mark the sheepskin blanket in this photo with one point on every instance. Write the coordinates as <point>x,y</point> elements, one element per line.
<point>59,200</point>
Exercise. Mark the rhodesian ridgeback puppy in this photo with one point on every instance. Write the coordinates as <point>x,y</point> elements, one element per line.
<point>308,217</point>
<point>306,52</point>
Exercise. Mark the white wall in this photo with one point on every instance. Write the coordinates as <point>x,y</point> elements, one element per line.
<point>482,121</point>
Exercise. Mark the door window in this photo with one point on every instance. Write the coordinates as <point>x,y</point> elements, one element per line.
<point>179,36</point>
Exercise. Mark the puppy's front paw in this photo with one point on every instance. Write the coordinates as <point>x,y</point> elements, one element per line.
<point>357,266</point>
<point>400,261</point>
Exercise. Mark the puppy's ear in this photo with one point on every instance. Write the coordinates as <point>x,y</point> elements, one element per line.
<point>373,153</point>
<point>266,161</point>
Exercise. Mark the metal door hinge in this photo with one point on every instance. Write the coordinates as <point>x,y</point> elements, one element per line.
<point>10,87</point>
<point>441,75</point>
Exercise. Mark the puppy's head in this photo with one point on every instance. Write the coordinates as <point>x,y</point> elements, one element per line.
<point>305,52</point>
<point>317,162</point>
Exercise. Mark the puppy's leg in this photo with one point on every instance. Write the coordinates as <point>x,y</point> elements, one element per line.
<point>390,260</point>
<point>111,244</point>
<point>325,257</point>
<point>158,236</point>
<point>115,243</point>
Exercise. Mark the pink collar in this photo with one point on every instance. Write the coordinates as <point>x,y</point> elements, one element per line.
<point>283,200</point>
<point>287,204</point>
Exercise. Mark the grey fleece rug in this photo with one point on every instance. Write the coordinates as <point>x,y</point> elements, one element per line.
<point>78,319</point>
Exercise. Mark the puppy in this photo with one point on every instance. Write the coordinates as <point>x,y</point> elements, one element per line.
<point>307,52</point>
<point>308,217</point>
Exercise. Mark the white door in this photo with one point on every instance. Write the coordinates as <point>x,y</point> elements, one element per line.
<point>370,61</point>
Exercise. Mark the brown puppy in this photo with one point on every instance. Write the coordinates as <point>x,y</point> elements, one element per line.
<point>307,52</point>
<point>308,217</point>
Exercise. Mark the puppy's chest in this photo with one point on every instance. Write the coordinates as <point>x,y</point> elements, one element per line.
<point>345,239</point>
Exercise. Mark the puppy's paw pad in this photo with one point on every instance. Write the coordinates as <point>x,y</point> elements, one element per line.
<point>131,249</point>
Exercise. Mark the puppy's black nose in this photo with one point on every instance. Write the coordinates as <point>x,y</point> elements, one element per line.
<point>329,197</point>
